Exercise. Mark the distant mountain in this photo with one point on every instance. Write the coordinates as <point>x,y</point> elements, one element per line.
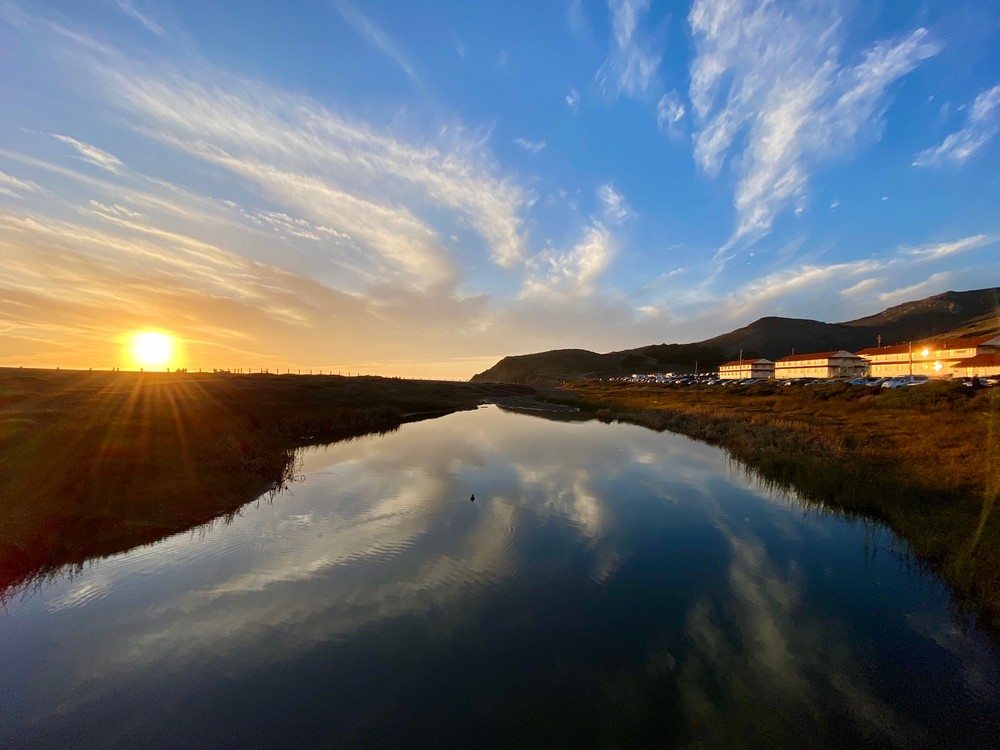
<point>948,315</point>
<point>774,337</point>
<point>978,311</point>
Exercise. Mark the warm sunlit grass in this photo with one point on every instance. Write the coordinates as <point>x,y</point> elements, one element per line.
<point>152,350</point>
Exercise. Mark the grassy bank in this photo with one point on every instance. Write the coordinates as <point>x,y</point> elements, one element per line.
<point>925,460</point>
<point>96,463</point>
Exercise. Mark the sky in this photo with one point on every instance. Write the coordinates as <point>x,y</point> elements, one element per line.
<point>420,189</point>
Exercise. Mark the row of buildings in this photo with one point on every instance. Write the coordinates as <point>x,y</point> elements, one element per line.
<point>965,357</point>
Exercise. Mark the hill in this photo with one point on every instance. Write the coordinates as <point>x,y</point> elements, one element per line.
<point>948,315</point>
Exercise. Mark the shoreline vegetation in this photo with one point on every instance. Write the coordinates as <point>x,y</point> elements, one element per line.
<point>93,464</point>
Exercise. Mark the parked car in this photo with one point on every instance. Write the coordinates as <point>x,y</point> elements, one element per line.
<point>866,381</point>
<point>798,381</point>
<point>906,380</point>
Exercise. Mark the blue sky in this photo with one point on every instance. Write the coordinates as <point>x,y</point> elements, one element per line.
<point>422,188</point>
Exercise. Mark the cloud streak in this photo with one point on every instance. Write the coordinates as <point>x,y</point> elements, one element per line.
<point>632,66</point>
<point>372,34</point>
<point>93,155</point>
<point>129,9</point>
<point>980,127</point>
<point>14,187</point>
<point>532,147</point>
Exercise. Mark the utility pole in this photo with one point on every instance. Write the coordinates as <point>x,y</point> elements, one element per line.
<point>910,343</point>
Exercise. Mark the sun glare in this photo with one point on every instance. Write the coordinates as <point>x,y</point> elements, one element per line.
<point>152,350</point>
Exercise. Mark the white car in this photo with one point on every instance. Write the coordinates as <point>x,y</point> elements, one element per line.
<point>906,380</point>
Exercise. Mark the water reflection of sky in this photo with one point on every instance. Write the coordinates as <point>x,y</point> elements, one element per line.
<point>609,585</point>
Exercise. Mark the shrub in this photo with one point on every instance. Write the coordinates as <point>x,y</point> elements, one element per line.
<point>928,395</point>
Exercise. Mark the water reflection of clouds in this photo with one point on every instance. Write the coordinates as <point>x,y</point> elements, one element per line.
<point>94,587</point>
<point>757,653</point>
<point>980,672</point>
<point>383,529</point>
<point>371,535</point>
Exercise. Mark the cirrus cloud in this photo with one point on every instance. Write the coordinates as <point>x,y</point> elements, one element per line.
<point>772,96</point>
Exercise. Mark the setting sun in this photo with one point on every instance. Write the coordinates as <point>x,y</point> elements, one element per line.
<point>152,349</point>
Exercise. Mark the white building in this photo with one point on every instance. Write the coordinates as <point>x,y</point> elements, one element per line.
<point>932,358</point>
<point>891,361</point>
<point>838,364</point>
<point>740,369</point>
<point>979,366</point>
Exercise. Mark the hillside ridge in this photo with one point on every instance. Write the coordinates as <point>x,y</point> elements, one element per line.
<point>948,315</point>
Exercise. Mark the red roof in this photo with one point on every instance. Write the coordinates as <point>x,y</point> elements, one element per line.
<point>737,362</point>
<point>817,355</point>
<point>980,360</point>
<point>898,349</point>
<point>966,343</point>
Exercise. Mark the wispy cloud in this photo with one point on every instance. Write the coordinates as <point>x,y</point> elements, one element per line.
<point>93,155</point>
<point>670,113</point>
<point>375,36</point>
<point>792,283</point>
<point>128,7</point>
<point>980,126</point>
<point>349,176</point>
<point>13,187</point>
<point>863,288</point>
<point>290,226</point>
<point>921,289</point>
<point>532,147</point>
<point>614,206</point>
<point>114,209</point>
<point>773,76</point>
<point>573,272</point>
<point>567,274</point>
<point>944,249</point>
<point>633,64</point>
<point>855,281</point>
<point>578,23</point>
<point>573,98</point>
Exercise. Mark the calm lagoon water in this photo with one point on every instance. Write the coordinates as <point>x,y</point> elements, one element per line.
<point>608,587</point>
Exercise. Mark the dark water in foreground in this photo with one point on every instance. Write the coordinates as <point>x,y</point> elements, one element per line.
<point>609,586</point>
